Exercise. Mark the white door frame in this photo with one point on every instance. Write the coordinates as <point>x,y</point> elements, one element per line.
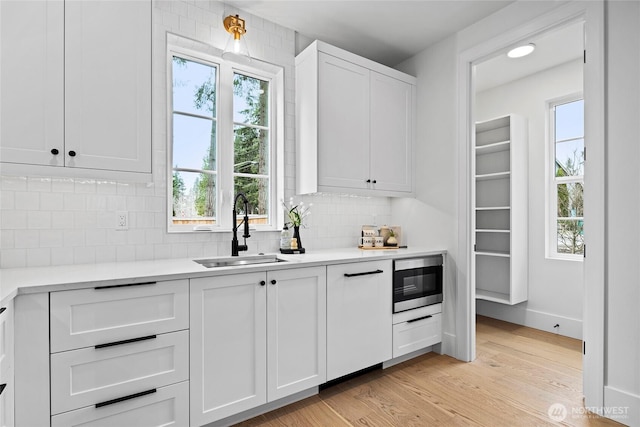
<point>592,14</point>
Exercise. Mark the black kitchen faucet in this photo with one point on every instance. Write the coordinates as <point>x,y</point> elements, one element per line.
<point>235,247</point>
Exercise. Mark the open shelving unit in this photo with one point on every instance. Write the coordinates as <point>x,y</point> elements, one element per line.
<point>500,210</point>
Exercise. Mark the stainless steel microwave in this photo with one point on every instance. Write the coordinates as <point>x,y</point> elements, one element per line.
<point>417,282</point>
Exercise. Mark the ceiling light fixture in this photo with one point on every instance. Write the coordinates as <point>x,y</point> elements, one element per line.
<point>236,48</point>
<point>520,51</point>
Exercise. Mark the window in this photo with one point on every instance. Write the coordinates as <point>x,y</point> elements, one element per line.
<point>223,141</point>
<point>566,225</point>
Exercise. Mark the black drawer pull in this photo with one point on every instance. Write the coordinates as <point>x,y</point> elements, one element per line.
<point>122,399</point>
<point>122,286</point>
<point>419,318</point>
<point>366,273</point>
<point>2,309</point>
<point>111,344</point>
<point>2,387</point>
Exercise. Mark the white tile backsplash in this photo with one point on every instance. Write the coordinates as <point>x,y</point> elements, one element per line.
<point>60,220</point>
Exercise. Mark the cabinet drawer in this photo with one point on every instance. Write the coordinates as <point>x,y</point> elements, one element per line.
<point>87,317</point>
<point>414,335</point>
<point>92,375</point>
<point>167,406</point>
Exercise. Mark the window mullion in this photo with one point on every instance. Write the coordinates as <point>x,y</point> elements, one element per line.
<point>225,146</point>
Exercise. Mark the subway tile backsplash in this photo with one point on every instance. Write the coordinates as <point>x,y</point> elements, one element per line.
<point>50,221</point>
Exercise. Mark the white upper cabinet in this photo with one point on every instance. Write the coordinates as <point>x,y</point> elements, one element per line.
<point>76,85</point>
<point>32,82</point>
<point>108,85</point>
<point>355,124</point>
<point>343,115</point>
<point>391,133</point>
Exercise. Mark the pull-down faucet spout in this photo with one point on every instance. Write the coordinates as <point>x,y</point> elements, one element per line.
<point>235,247</point>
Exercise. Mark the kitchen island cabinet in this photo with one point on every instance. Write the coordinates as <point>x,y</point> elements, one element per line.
<point>80,100</point>
<point>255,338</point>
<point>355,124</point>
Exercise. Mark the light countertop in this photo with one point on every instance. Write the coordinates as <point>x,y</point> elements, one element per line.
<point>16,281</point>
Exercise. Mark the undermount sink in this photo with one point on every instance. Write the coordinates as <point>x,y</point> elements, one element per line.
<point>238,261</point>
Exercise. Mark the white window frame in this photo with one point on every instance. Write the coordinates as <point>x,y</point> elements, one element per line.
<point>225,155</point>
<point>553,181</point>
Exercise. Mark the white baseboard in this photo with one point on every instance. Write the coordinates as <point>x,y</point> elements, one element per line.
<point>532,318</point>
<point>448,345</point>
<point>621,406</point>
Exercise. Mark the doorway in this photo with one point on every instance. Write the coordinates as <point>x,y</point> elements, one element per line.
<point>592,15</point>
<point>536,234</point>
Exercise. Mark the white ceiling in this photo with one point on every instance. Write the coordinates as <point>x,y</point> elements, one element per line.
<point>552,49</point>
<point>391,31</point>
<point>386,31</point>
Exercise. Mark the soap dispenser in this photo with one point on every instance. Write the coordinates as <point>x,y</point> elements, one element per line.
<point>285,238</point>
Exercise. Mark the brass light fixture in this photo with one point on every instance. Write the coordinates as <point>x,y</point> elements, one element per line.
<point>236,48</point>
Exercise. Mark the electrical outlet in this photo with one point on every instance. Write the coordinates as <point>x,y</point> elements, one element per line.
<point>122,220</point>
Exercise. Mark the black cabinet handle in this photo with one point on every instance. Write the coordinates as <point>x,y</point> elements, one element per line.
<point>122,399</point>
<point>419,318</point>
<point>374,181</point>
<point>72,153</point>
<point>55,151</point>
<point>2,309</point>
<point>366,273</point>
<point>2,387</point>
<point>262,283</point>
<point>125,285</point>
<point>368,181</point>
<point>111,344</point>
<point>273,282</point>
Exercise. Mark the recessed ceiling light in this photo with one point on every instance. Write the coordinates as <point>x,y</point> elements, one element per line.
<point>520,51</point>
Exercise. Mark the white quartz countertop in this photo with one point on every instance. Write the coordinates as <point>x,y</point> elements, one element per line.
<point>16,281</point>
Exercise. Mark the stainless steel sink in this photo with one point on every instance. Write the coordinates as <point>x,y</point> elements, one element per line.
<point>238,261</point>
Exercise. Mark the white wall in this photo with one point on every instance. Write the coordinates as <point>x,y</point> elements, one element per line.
<point>430,218</point>
<point>622,353</point>
<point>54,221</point>
<point>555,286</point>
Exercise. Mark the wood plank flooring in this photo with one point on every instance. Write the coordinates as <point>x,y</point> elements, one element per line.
<point>518,374</point>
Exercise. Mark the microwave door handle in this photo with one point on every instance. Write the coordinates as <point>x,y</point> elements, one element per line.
<point>366,273</point>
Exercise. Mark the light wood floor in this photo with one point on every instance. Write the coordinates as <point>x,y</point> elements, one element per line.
<point>518,374</point>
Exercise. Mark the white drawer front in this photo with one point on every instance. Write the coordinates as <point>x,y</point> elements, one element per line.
<point>86,317</point>
<point>89,376</point>
<point>412,336</point>
<point>168,406</point>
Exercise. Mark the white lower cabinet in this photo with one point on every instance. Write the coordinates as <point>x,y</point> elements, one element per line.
<point>255,338</point>
<point>165,406</point>
<point>359,316</point>
<point>416,334</point>
<point>92,375</point>
<point>6,365</point>
<point>120,355</point>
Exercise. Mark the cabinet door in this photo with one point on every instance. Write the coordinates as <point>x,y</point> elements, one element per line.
<point>391,133</point>
<point>343,116</point>
<point>296,334</point>
<point>359,316</point>
<point>108,85</point>
<point>228,346</point>
<point>31,82</point>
